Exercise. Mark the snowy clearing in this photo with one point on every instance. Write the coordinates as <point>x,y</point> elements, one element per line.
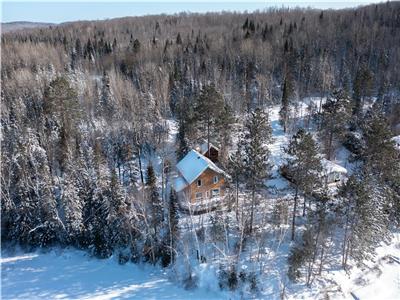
<point>73,274</point>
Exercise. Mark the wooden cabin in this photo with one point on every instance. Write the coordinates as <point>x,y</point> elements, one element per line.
<point>199,181</point>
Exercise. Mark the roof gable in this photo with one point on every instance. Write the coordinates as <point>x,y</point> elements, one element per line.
<point>194,164</point>
<point>331,167</point>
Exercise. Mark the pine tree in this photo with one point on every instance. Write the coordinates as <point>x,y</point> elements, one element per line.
<point>362,87</point>
<point>287,93</point>
<point>223,125</point>
<point>256,154</point>
<point>366,217</point>
<point>304,167</point>
<point>380,155</point>
<point>335,117</point>
<point>61,103</point>
<point>381,159</point>
<point>209,108</point>
<point>236,169</point>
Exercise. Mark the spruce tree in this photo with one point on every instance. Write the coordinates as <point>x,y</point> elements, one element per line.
<point>172,231</point>
<point>118,219</point>
<point>155,205</point>
<point>106,100</point>
<point>72,207</point>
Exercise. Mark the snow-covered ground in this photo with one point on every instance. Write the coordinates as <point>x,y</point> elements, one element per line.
<point>73,274</point>
<point>379,280</point>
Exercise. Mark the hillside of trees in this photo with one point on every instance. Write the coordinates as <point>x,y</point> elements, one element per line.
<point>88,108</point>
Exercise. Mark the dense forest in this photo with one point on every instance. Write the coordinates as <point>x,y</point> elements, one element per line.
<point>88,110</point>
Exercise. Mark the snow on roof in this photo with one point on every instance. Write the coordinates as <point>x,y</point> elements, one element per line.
<point>204,147</point>
<point>180,183</point>
<point>331,167</point>
<point>194,164</point>
<point>396,140</point>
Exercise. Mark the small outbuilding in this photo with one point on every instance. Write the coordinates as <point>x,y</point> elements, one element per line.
<point>209,150</point>
<point>333,173</point>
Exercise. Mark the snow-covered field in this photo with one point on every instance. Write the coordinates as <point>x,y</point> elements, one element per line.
<point>73,274</point>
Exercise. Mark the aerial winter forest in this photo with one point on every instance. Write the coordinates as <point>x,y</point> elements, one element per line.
<point>220,155</point>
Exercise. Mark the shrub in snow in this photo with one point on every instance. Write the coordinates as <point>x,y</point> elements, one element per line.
<point>253,282</point>
<point>228,278</point>
<point>123,257</point>
<point>190,282</point>
<point>232,279</point>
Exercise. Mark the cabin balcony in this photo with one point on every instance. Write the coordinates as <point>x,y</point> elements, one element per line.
<point>202,205</point>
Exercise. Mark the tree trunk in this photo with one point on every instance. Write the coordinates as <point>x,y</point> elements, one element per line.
<point>140,167</point>
<point>237,199</point>
<point>252,209</point>
<point>330,145</point>
<point>294,213</point>
<point>208,138</point>
<point>344,258</point>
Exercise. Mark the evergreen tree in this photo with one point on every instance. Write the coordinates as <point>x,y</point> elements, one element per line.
<point>155,204</point>
<point>172,231</point>
<point>380,155</point>
<point>106,101</point>
<point>223,125</point>
<point>381,159</point>
<point>256,136</point>
<point>209,108</point>
<point>236,167</point>
<point>118,218</point>
<point>335,117</point>
<point>183,147</point>
<point>99,226</point>
<point>61,104</point>
<point>50,231</point>
<point>366,217</point>
<point>303,166</point>
<point>362,87</point>
<point>287,93</point>
<point>72,207</point>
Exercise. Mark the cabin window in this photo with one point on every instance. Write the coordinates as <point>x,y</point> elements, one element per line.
<point>199,195</point>
<point>199,183</point>
<point>215,179</point>
<point>214,193</point>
